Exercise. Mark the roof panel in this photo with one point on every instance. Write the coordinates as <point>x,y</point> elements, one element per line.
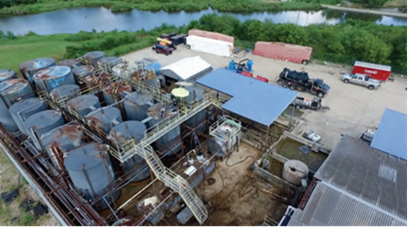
<point>382,182</point>
<point>253,99</point>
<point>391,134</point>
<point>346,211</point>
<point>187,67</point>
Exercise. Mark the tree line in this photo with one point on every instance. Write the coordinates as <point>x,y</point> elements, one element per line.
<point>340,43</point>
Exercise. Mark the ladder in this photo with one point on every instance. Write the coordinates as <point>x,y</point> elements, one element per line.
<point>173,181</point>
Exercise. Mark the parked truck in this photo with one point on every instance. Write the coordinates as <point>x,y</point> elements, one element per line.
<point>361,79</point>
<point>300,81</point>
<point>309,103</point>
<point>283,51</point>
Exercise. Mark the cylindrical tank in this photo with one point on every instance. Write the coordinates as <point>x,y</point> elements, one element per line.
<point>294,171</point>
<point>53,77</point>
<point>7,74</point>
<point>10,92</point>
<point>104,118</point>
<point>196,95</point>
<point>63,139</point>
<point>81,72</point>
<point>113,90</point>
<point>97,78</point>
<point>91,172</point>
<point>29,68</point>
<point>167,143</point>
<point>108,62</point>
<point>123,132</point>
<point>20,111</point>
<point>69,63</point>
<point>216,146</point>
<point>65,91</point>
<point>41,123</point>
<point>94,56</point>
<point>136,105</point>
<point>84,104</point>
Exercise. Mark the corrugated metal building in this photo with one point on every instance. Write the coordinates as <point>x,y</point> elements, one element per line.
<point>391,134</point>
<point>359,186</point>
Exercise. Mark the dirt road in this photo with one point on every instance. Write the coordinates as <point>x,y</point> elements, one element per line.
<point>378,12</point>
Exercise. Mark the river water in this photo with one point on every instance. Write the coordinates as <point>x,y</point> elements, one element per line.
<point>100,18</point>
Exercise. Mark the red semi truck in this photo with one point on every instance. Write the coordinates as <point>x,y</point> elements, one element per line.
<point>374,71</point>
<point>283,51</point>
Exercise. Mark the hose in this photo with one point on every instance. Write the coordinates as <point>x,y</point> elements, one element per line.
<point>249,156</point>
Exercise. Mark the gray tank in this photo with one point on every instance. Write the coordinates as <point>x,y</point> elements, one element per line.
<point>65,138</point>
<point>10,92</point>
<point>113,90</point>
<point>167,143</point>
<point>41,123</point>
<point>108,62</point>
<point>69,63</point>
<point>53,77</point>
<point>91,172</point>
<point>20,111</point>
<point>84,104</point>
<point>94,56</point>
<point>104,118</point>
<point>82,72</point>
<point>136,105</point>
<point>196,95</point>
<point>65,91</point>
<point>7,74</point>
<point>123,132</point>
<point>29,68</point>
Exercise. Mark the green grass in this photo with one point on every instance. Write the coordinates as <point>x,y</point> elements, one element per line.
<point>166,5</point>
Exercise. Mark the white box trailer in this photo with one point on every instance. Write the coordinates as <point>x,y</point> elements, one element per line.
<point>215,47</point>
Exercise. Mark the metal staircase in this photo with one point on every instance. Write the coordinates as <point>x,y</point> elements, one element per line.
<point>173,181</point>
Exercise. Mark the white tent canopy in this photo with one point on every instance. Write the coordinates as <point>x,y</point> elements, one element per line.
<point>186,69</point>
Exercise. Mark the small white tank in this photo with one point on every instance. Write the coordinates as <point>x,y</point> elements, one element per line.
<point>294,171</point>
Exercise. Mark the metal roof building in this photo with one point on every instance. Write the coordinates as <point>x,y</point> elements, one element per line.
<point>360,186</point>
<point>253,99</point>
<point>187,69</point>
<point>391,134</point>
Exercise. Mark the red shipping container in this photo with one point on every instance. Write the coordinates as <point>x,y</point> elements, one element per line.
<point>211,35</point>
<point>374,71</point>
<point>283,51</point>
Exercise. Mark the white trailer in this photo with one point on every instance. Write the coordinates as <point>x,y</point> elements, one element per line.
<point>216,47</point>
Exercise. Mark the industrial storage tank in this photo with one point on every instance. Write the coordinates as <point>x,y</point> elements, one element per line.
<point>113,90</point>
<point>65,92</point>
<point>91,172</point>
<point>20,111</point>
<point>11,91</point>
<point>97,78</point>
<point>41,123</point>
<point>69,63</point>
<point>167,143</point>
<point>81,72</point>
<point>53,77</point>
<point>84,104</point>
<point>94,56</point>
<point>104,118</point>
<point>136,105</point>
<point>108,62</point>
<point>6,74</point>
<point>294,171</point>
<point>124,132</point>
<point>62,139</point>
<point>196,95</point>
<point>29,68</point>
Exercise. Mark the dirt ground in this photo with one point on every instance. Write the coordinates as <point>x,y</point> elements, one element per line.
<point>237,196</point>
<point>353,108</point>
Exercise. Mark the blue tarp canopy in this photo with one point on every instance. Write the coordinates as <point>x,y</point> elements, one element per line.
<point>253,99</point>
<point>391,134</point>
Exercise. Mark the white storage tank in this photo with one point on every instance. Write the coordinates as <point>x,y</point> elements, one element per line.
<point>294,171</point>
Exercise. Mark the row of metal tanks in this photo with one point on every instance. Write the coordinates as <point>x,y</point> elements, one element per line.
<point>126,115</point>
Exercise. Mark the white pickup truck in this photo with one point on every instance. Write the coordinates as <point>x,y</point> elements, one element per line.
<point>361,79</point>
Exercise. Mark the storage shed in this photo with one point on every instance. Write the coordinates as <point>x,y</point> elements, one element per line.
<point>375,71</point>
<point>188,69</point>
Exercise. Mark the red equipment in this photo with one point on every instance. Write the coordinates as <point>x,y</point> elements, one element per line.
<point>374,71</point>
<point>283,51</point>
<point>260,78</point>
